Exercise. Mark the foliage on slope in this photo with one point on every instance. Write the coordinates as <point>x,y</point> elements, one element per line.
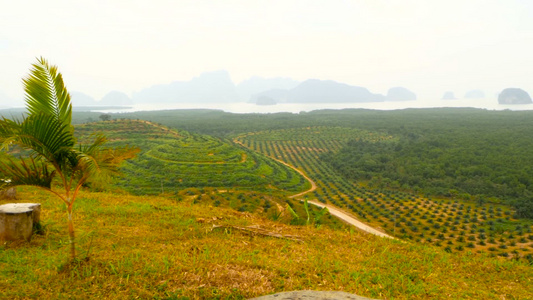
<point>472,152</point>
<point>170,161</point>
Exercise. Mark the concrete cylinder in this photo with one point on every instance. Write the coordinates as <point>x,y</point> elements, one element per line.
<point>16,223</point>
<point>17,219</point>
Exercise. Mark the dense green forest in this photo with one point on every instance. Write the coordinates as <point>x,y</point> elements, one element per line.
<point>219,123</point>
<point>468,165</point>
<point>476,156</point>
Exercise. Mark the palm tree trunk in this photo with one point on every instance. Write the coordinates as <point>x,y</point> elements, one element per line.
<point>71,233</point>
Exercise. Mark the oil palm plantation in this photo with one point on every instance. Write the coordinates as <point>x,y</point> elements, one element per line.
<point>54,160</point>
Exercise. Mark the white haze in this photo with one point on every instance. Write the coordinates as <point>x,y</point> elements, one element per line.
<point>428,46</point>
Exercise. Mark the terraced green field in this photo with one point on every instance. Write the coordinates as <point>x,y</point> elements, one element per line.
<point>453,224</point>
<point>171,161</point>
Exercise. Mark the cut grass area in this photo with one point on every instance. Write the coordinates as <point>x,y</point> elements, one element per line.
<point>156,247</point>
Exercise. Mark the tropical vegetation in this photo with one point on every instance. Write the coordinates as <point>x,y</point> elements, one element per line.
<point>53,160</point>
<point>205,209</point>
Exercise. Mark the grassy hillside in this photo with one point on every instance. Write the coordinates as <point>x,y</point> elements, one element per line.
<point>173,160</point>
<point>156,247</point>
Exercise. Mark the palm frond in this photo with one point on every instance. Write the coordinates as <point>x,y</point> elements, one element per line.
<point>108,160</point>
<point>7,127</point>
<point>99,141</point>
<point>46,137</point>
<point>46,92</point>
<point>30,171</point>
<point>9,130</point>
<point>102,163</point>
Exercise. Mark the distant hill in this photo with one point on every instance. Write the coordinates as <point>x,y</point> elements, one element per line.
<point>474,94</point>
<point>514,96</point>
<point>448,96</point>
<point>207,88</point>
<point>328,91</point>
<point>273,96</point>
<point>81,99</point>
<point>321,91</point>
<point>115,98</point>
<point>217,87</point>
<point>251,88</point>
<point>400,94</point>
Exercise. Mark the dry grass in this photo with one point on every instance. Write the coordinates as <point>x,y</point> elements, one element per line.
<point>152,247</point>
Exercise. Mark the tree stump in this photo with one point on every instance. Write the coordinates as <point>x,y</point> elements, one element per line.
<point>17,219</point>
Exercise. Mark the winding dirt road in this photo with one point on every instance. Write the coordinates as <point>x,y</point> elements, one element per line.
<point>350,220</point>
<point>332,209</point>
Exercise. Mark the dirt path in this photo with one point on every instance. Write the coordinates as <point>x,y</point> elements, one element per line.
<point>332,209</point>
<point>350,220</point>
<point>313,184</point>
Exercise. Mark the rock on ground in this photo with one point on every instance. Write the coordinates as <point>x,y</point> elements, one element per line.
<point>312,295</point>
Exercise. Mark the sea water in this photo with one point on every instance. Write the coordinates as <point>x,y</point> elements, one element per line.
<point>244,107</point>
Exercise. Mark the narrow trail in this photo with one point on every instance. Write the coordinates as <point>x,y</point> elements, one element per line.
<point>350,220</point>
<point>337,212</point>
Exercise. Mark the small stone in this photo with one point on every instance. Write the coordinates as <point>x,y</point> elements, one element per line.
<point>312,295</point>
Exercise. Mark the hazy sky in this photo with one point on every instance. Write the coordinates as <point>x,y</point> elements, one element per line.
<point>425,45</point>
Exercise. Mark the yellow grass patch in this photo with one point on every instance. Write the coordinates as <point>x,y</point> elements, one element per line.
<point>156,247</point>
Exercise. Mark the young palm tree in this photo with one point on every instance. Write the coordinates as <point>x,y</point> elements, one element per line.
<point>56,162</point>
